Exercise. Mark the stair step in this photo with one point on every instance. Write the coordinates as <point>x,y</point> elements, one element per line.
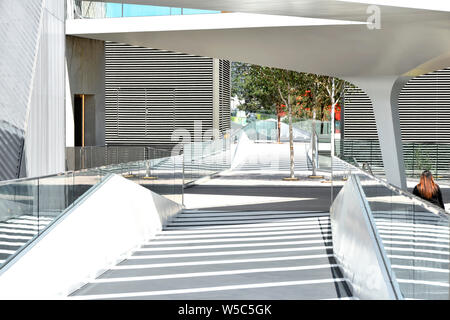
<point>211,255</point>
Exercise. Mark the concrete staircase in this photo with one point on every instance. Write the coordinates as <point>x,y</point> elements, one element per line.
<point>229,255</point>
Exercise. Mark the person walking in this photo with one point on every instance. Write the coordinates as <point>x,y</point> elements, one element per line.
<point>428,190</point>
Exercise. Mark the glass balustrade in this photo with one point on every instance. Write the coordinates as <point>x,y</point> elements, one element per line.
<point>206,158</point>
<point>418,156</point>
<point>28,206</point>
<point>414,233</point>
<point>78,158</point>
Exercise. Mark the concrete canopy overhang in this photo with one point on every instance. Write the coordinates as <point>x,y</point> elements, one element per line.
<point>408,38</point>
<point>410,41</point>
<point>327,9</point>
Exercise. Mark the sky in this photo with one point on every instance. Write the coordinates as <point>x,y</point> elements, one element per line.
<point>114,10</point>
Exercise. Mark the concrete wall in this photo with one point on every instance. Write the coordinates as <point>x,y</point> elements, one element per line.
<point>85,63</point>
<point>44,126</point>
<point>32,87</point>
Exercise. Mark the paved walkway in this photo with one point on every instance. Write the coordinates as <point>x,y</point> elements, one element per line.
<point>248,235</point>
<point>257,183</point>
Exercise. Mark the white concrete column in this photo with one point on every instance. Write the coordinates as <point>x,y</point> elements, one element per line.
<point>383,92</point>
<point>216,97</point>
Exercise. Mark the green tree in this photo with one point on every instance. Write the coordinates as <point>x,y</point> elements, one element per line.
<point>287,85</point>
<point>334,89</point>
<point>256,93</point>
<point>330,91</point>
<point>303,94</point>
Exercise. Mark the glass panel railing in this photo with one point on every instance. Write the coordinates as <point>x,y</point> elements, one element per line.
<point>431,156</point>
<point>364,152</point>
<point>358,247</point>
<point>418,156</point>
<point>266,131</point>
<point>414,234</point>
<point>19,216</point>
<point>78,158</point>
<point>206,158</point>
<point>262,131</point>
<point>416,239</point>
<point>163,177</point>
<point>163,173</point>
<point>322,128</point>
<point>28,206</point>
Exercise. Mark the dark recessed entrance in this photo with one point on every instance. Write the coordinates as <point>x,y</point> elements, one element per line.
<point>79,114</point>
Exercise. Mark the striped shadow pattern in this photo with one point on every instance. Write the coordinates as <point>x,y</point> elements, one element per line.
<point>16,232</point>
<point>152,92</point>
<point>229,255</point>
<point>418,249</point>
<point>276,157</point>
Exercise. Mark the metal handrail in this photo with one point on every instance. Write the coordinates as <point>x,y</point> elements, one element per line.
<point>61,173</point>
<point>366,167</point>
<point>5,182</point>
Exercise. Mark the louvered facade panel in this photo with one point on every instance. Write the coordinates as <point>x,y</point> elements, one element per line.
<point>150,93</point>
<point>424,107</point>
<point>224,96</point>
<point>359,120</point>
<point>424,110</point>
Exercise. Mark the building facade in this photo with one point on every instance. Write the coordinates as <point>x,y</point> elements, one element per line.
<point>32,37</point>
<point>150,93</point>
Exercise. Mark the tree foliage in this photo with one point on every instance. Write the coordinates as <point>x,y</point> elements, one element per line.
<point>267,89</point>
<point>256,93</point>
<point>273,90</point>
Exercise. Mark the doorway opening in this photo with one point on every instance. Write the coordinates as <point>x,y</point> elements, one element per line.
<point>79,119</point>
<point>84,117</point>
